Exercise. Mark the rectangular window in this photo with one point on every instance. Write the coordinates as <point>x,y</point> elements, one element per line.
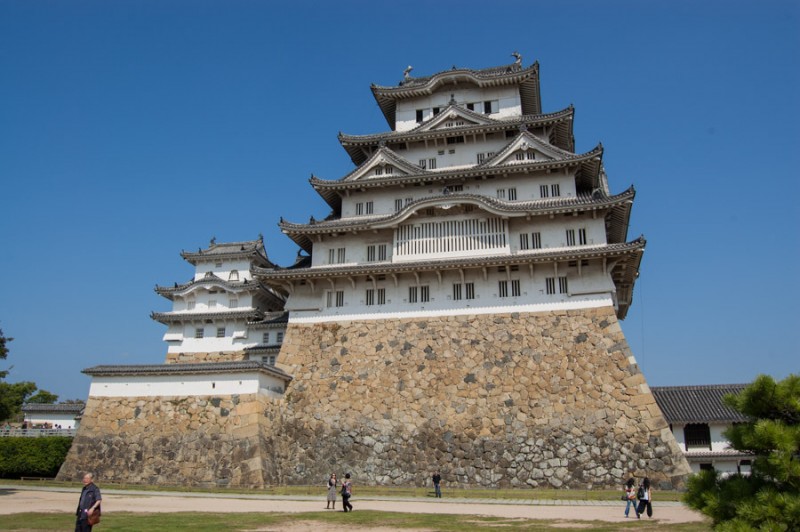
<point>412,294</point>
<point>212,303</point>
<point>519,156</point>
<point>389,170</point>
<point>536,240</point>
<point>331,256</point>
<point>432,164</point>
<point>556,190</point>
<point>456,140</point>
<point>370,297</point>
<point>469,288</point>
<point>582,237</point>
<point>340,255</point>
<point>379,170</point>
<point>487,107</point>
<point>435,111</point>
<point>190,305</point>
<point>423,163</point>
<point>544,191</point>
<point>550,283</point>
<point>501,193</point>
<point>502,289</point>
<point>697,435</point>
<point>382,252</point>
<point>398,204</point>
<point>409,200</point>
<point>456,291</point>
<point>269,360</point>
<point>512,194</point>
<point>481,158</point>
<point>420,115</point>
<point>370,253</point>
<point>359,209</point>
<point>233,302</point>
<point>530,155</point>
<point>562,285</point>
<point>515,288</point>
<point>369,207</point>
<point>279,336</point>
<point>265,338</point>
<point>570,237</point>
<point>334,299</point>
<point>471,106</point>
<point>381,296</point>
<point>425,293</point>
<point>199,332</point>
<point>524,242</point>
<point>220,332</point>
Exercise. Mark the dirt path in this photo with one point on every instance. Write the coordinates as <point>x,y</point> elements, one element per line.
<point>15,500</point>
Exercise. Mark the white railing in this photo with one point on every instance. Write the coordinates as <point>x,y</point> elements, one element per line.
<point>449,238</point>
<point>35,433</point>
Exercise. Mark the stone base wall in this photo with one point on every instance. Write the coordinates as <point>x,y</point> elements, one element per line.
<point>550,400</point>
<point>225,441</point>
<point>217,356</point>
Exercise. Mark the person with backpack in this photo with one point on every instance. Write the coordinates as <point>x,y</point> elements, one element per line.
<point>645,498</point>
<point>347,492</point>
<point>630,497</point>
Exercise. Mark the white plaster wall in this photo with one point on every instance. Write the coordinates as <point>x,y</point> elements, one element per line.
<point>507,97</point>
<point>528,188</point>
<point>592,284</point>
<point>181,337</point>
<point>223,271</point>
<point>203,298</point>
<point>67,421</point>
<point>186,385</point>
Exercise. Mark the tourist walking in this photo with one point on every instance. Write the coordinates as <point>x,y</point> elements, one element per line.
<point>347,492</point>
<point>437,479</point>
<point>88,505</point>
<point>645,497</point>
<point>630,497</point>
<point>332,483</point>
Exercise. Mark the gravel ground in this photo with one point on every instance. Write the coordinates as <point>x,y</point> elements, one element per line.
<point>16,500</point>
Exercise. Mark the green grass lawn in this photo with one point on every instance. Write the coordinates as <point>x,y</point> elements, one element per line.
<point>364,520</point>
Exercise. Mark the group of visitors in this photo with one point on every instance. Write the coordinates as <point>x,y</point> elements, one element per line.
<point>639,498</point>
<point>346,492</point>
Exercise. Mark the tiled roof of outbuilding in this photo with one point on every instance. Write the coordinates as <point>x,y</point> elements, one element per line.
<point>190,317</point>
<point>249,249</point>
<point>697,404</point>
<point>69,408</point>
<point>239,366</point>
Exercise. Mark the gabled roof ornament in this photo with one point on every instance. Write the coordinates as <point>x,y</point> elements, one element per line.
<point>213,241</point>
<point>452,99</point>
<point>523,127</point>
<point>517,58</point>
<point>407,72</point>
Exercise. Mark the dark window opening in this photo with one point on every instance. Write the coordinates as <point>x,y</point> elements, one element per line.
<point>697,435</point>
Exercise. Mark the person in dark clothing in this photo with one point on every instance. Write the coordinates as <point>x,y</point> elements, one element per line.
<point>645,499</point>
<point>347,492</point>
<point>437,479</point>
<point>88,504</point>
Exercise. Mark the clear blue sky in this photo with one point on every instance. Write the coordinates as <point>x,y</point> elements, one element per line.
<point>131,130</point>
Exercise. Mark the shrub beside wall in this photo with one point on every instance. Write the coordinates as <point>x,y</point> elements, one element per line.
<point>32,457</point>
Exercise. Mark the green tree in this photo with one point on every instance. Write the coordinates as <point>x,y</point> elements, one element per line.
<point>768,498</point>
<point>43,397</point>
<point>3,351</point>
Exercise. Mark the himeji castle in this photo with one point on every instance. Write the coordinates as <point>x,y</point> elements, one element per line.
<point>458,310</point>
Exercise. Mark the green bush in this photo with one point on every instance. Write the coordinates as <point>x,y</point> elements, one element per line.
<point>32,457</point>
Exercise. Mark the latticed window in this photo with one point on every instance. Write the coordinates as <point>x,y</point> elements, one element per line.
<point>562,285</point>
<point>582,237</point>
<point>524,241</point>
<point>412,294</point>
<point>544,191</point>
<point>556,190</point>
<point>220,332</point>
<point>502,289</point>
<point>381,296</point>
<point>424,293</point>
<point>470,290</point>
<point>450,237</point>
<point>536,240</point>
<point>515,288</point>
<point>456,291</point>
<point>550,284</point>
<point>697,435</point>
<point>370,298</point>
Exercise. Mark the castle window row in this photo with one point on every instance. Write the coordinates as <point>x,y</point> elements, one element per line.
<point>450,236</point>
<point>507,288</point>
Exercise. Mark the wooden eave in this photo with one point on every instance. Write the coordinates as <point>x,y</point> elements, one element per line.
<point>302,234</point>
<point>360,147</point>
<point>526,78</point>
<point>170,292</point>
<point>587,177</point>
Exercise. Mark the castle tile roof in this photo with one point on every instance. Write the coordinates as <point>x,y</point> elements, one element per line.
<point>413,87</point>
<point>207,368</point>
<point>301,233</point>
<point>562,120</point>
<point>248,249</point>
<point>245,285</point>
<point>698,404</point>
<point>166,318</point>
<point>66,408</point>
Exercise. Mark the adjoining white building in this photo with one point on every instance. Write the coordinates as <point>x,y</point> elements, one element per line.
<point>698,417</point>
<point>62,415</point>
<point>222,313</point>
